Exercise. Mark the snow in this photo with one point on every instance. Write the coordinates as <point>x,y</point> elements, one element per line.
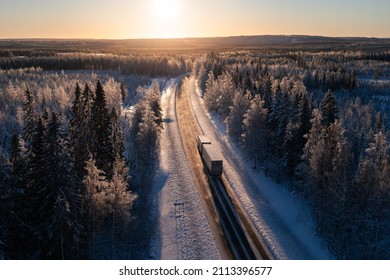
<point>283,220</point>
<point>183,231</point>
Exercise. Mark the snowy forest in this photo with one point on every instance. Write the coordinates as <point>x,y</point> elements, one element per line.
<point>316,122</point>
<point>77,146</point>
<point>80,140</point>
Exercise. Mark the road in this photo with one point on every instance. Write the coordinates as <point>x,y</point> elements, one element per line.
<point>182,229</point>
<point>232,227</point>
<point>188,227</point>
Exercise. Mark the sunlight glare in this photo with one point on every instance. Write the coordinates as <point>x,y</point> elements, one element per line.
<point>166,10</point>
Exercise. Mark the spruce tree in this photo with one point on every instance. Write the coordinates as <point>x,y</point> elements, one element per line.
<point>122,202</point>
<point>255,133</point>
<point>17,224</point>
<point>278,120</point>
<point>58,222</point>
<point>116,135</point>
<point>153,98</point>
<point>101,145</point>
<point>329,109</point>
<point>96,202</point>
<point>4,198</point>
<point>234,122</point>
<point>29,116</point>
<point>372,197</point>
<point>77,130</point>
<point>35,189</point>
<point>147,140</point>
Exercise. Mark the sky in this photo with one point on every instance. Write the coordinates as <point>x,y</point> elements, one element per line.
<point>127,19</point>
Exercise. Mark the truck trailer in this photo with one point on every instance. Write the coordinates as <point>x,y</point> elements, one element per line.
<point>212,159</point>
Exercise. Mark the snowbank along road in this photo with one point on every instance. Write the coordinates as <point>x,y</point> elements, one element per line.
<point>188,226</point>
<point>237,232</point>
<point>284,237</point>
<point>183,231</point>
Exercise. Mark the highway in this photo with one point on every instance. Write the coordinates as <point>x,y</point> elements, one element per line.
<point>234,232</point>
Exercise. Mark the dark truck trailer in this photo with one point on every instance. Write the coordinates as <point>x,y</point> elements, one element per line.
<point>212,160</point>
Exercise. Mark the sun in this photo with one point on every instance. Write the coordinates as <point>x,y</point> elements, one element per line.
<point>166,11</point>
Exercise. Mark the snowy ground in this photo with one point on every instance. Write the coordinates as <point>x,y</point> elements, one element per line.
<point>183,231</point>
<point>283,220</point>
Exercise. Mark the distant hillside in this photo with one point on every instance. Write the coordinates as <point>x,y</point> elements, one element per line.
<point>263,41</point>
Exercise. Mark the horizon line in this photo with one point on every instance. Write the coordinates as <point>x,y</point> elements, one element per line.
<point>190,37</point>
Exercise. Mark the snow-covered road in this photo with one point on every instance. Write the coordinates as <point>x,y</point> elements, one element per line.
<point>283,221</point>
<point>183,231</point>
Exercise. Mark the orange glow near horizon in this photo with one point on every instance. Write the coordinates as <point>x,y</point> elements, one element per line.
<point>125,19</point>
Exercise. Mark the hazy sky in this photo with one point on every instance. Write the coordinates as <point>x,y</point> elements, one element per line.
<point>119,19</point>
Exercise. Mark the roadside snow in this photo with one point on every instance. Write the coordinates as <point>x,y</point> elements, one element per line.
<point>283,220</point>
<point>183,231</point>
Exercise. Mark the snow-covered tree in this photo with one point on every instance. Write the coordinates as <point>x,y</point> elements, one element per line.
<point>147,139</point>
<point>329,109</point>
<point>278,120</point>
<point>153,98</point>
<point>122,200</point>
<point>234,122</point>
<point>77,131</point>
<point>226,94</point>
<point>212,92</point>
<point>17,222</point>
<point>327,154</point>
<point>114,97</point>
<point>372,193</point>
<point>34,194</point>
<point>97,202</point>
<point>58,222</point>
<point>101,145</point>
<point>255,132</point>
<point>29,116</point>
<point>116,135</point>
